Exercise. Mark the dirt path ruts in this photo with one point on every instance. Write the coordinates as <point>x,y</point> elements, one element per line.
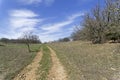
<point>57,71</point>
<point>29,72</point>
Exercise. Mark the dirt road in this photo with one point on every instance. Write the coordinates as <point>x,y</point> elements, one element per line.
<point>29,72</point>
<point>57,71</point>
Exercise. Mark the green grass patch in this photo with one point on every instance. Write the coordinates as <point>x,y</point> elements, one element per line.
<point>35,47</point>
<point>45,63</point>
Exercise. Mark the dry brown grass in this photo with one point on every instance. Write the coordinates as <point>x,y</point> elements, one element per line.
<point>86,61</point>
<point>13,58</point>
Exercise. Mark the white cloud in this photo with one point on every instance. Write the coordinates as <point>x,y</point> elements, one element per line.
<point>55,27</point>
<point>74,16</point>
<point>23,13</point>
<point>47,38</point>
<point>28,2</point>
<point>21,21</point>
<point>23,18</point>
<point>51,37</point>
<point>53,31</point>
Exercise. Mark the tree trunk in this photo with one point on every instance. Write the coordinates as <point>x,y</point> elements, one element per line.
<point>28,47</point>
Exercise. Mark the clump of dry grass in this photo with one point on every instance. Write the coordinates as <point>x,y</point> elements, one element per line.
<point>86,61</point>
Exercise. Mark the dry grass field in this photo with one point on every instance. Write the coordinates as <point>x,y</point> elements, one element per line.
<point>81,60</point>
<point>13,58</point>
<point>86,61</point>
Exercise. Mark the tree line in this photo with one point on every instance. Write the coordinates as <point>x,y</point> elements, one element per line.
<point>102,24</point>
<point>31,39</point>
<point>27,39</point>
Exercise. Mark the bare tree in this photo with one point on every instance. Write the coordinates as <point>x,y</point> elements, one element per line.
<point>101,24</point>
<point>29,38</point>
<point>80,34</point>
<point>113,19</point>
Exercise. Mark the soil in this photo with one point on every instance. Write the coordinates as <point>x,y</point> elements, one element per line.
<point>57,71</point>
<point>29,72</point>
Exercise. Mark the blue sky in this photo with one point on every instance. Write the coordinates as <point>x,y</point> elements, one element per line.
<point>49,19</point>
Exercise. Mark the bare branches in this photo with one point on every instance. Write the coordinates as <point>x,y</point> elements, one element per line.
<point>101,24</point>
<point>29,38</point>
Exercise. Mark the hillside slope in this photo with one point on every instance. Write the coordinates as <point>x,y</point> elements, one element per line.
<point>86,61</point>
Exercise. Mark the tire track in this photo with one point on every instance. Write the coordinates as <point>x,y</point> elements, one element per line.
<point>29,72</point>
<point>57,71</point>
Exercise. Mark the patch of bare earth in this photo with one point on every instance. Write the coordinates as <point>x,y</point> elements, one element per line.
<point>29,72</point>
<point>57,71</point>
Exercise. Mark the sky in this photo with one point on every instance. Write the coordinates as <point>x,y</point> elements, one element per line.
<point>49,19</point>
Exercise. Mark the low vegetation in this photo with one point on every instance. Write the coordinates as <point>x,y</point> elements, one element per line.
<point>87,61</point>
<point>45,64</point>
<point>13,58</point>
